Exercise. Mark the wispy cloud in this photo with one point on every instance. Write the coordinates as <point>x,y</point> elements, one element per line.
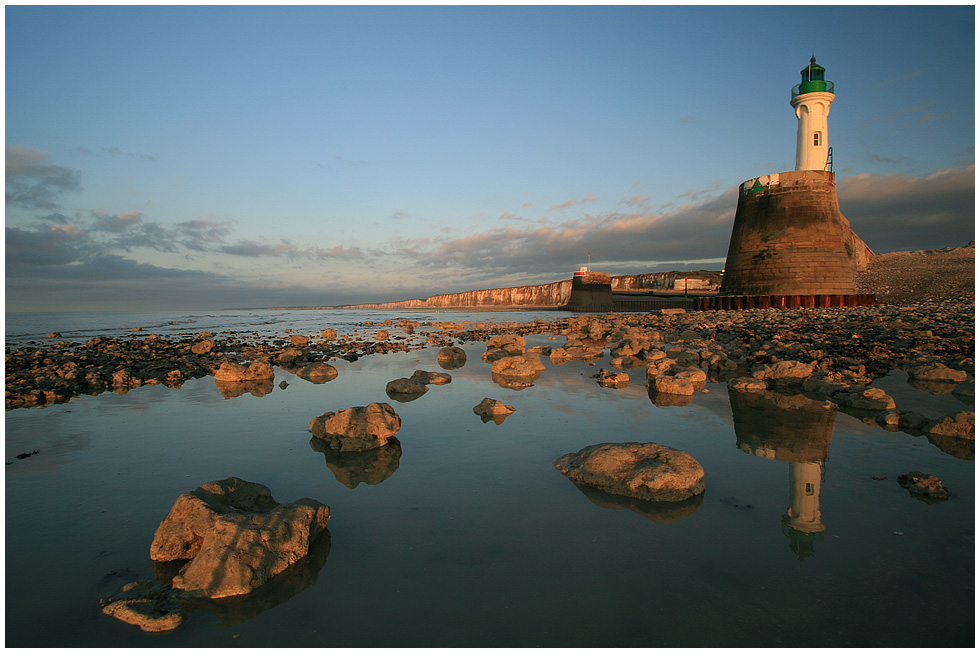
<point>114,151</point>
<point>572,202</point>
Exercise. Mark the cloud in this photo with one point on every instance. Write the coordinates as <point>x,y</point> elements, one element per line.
<point>693,232</point>
<point>570,203</point>
<point>338,252</point>
<point>117,223</point>
<point>114,151</point>
<point>901,212</point>
<point>252,249</point>
<point>198,234</point>
<point>56,245</point>
<point>32,184</point>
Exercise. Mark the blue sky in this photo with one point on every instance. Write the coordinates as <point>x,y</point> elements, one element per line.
<point>189,157</point>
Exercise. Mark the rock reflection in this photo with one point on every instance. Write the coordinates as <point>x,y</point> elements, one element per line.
<point>232,611</point>
<point>667,399</point>
<point>662,512</point>
<point>512,382</point>
<point>793,429</point>
<point>932,387</point>
<point>355,467</point>
<point>232,389</point>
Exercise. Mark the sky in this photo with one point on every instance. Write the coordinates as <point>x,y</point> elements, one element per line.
<point>191,157</point>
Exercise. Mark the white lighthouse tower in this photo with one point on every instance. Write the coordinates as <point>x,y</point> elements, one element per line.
<point>811,99</point>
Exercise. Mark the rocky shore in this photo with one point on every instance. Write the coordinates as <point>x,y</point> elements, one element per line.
<point>925,318</point>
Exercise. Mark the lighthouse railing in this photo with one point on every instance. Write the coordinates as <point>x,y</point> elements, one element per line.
<point>821,86</point>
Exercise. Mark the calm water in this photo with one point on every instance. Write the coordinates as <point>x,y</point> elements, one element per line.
<point>474,539</point>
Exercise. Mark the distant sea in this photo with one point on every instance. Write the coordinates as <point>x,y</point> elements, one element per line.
<point>24,328</point>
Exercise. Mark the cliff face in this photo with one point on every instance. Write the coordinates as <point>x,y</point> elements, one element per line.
<point>549,294</point>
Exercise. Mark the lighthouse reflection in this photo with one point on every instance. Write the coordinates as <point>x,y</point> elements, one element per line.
<point>793,429</point>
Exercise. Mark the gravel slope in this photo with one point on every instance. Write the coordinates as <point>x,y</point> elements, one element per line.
<point>905,277</point>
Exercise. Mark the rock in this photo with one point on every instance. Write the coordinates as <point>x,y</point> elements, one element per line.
<point>785,372</point>
<point>432,378</point>
<point>318,372</point>
<point>234,372</point>
<point>194,513</point>
<point>292,355</point>
<point>451,358</point>
<point>242,551</point>
<point>299,341</point>
<point>491,409</point>
<point>937,372</point>
<point>671,385</point>
<point>153,611</point>
<point>405,389</point>
<point>381,335</point>
<point>650,471</point>
<point>747,384</point>
<point>508,341</point>
<point>203,347</point>
<point>695,375</point>
<point>54,334</point>
<point>683,357</point>
<point>328,334</point>
<point>922,485</point>
<point>660,365</point>
<point>960,425</point>
<point>518,366</point>
<point>609,379</point>
<point>865,399</point>
<point>358,428</point>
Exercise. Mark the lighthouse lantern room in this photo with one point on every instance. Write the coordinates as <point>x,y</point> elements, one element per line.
<point>811,99</point>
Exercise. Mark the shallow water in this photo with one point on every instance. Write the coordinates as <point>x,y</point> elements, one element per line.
<point>475,539</point>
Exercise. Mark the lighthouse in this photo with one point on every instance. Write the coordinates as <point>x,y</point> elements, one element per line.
<point>811,99</point>
<point>790,244</point>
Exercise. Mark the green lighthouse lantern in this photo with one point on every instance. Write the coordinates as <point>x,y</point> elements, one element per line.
<point>813,81</point>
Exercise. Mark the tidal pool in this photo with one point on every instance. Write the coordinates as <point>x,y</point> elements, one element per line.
<point>468,536</point>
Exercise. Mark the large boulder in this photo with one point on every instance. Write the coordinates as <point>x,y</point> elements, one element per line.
<point>358,428</point>
<point>650,471</point>
<point>236,536</point>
